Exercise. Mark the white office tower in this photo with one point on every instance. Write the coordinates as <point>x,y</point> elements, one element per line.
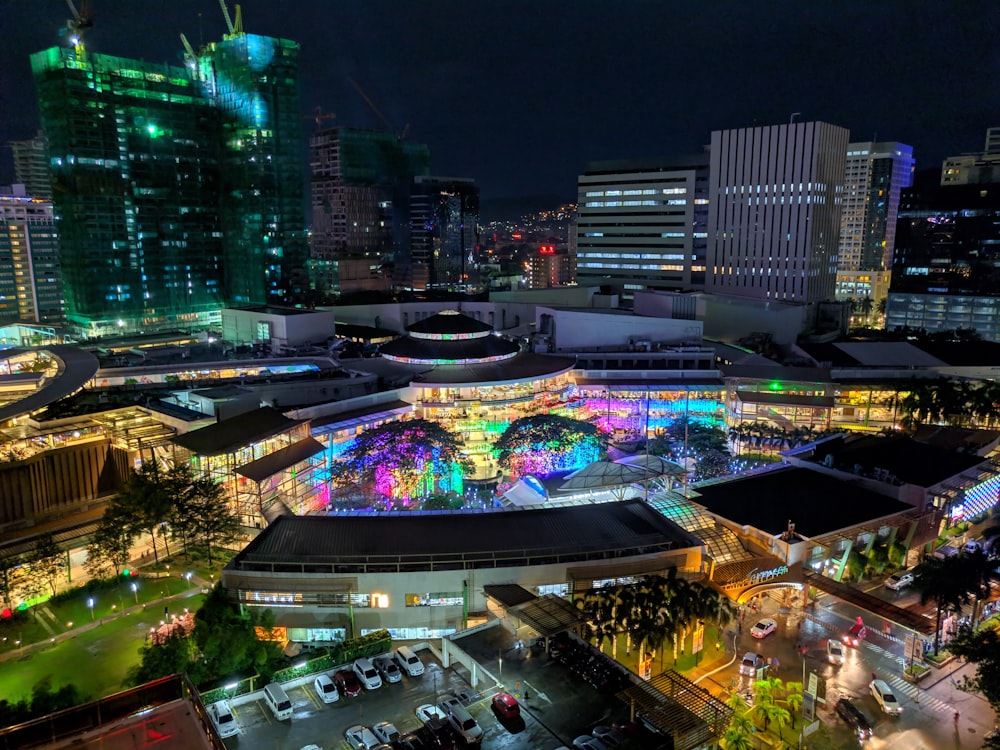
<point>774,211</point>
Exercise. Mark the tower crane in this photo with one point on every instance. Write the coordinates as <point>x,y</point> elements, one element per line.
<point>235,27</point>
<point>319,115</point>
<point>75,26</point>
<point>383,118</point>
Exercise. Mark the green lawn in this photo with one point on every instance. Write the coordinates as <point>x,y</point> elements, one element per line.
<point>95,661</point>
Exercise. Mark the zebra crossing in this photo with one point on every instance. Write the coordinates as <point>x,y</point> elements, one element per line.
<point>923,700</point>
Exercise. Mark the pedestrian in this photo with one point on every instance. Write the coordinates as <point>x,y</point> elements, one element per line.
<point>956,721</point>
<point>776,664</point>
<point>739,626</point>
<point>874,676</point>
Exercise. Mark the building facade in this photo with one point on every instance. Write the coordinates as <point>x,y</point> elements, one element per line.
<point>944,271</point>
<point>774,211</point>
<point>972,169</point>
<point>551,266</point>
<point>874,178</point>
<point>30,280</point>
<point>31,166</point>
<point>176,190</point>
<point>643,225</point>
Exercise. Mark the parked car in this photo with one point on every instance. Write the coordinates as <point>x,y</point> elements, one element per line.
<point>386,732</point>
<point>326,689</point>
<point>467,696</point>
<point>764,628</point>
<point>972,546</point>
<point>835,652</point>
<point>588,742</point>
<point>751,663</point>
<point>883,695</point>
<point>851,714</point>
<point>224,719</point>
<point>348,682</point>
<point>609,735</point>
<point>367,674</point>
<point>387,668</point>
<point>446,703</point>
<point>505,706</point>
<point>361,737</point>
<point>429,711</point>
<point>412,741</point>
<point>899,580</point>
<point>857,633</point>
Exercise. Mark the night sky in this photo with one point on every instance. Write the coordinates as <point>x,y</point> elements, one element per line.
<point>521,94</point>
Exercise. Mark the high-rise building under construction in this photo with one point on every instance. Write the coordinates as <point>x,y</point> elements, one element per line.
<point>177,190</point>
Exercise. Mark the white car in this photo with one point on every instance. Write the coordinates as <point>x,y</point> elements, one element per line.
<point>899,580</point>
<point>429,711</point>
<point>751,663</point>
<point>835,652</point>
<point>361,737</point>
<point>764,628</point>
<point>883,695</point>
<point>326,689</point>
<point>224,719</point>
<point>386,732</point>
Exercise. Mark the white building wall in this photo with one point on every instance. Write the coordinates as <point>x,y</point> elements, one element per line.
<point>577,330</point>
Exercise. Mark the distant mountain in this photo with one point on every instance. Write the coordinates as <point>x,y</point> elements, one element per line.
<point>495,209</point>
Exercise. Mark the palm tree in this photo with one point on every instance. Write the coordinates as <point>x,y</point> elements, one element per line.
<point>734,739</point>
<point>793,697</point>
<point>941,581</point>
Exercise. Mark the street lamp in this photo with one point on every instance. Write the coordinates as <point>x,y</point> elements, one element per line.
<point>90,604</point>
<point>135,590</point>
<point>188,577</point>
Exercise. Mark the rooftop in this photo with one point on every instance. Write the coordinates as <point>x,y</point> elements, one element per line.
<point>815,502</point>
<point>449,321</point>
<point>232,434</point>
<point>521,367</point>
<point>76,367</point>
<point>897,457</point>
<point>442,540</point>
<point>275,310</point>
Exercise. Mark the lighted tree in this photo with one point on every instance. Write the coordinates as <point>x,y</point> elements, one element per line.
<point>546,443</point>
<point>404,460</point>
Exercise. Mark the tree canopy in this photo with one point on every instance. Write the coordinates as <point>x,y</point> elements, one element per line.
<point>546,443</point>
<point>406,459</point>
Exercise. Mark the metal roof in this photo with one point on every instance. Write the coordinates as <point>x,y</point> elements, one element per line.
<point>230,435</point>
<point>879,607</point>
<point>678,708</point>
<point>75,368</point>
<point>508,594</point>
<point>549,615</point>
<point>273,463</point>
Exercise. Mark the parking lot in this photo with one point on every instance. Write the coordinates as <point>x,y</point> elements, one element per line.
<point>324,724</point>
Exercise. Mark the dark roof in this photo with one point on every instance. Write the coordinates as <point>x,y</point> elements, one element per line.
<point>275,310</point>
<point>272,463</point>
<point>232,434</point>
<point>76,367</point>
<point>427,349</point>
<point>956,438</point>
<point>900,457</point>
<point>521,367</point>
<point>449,322</point>
<point>962,353</point>
<point>815,502</point>
<point>777,372</point>
<point>368,411</point>
<point>466,539</point>
<point>366,333</point>
<point>229,390</point>
<point>508,594</point>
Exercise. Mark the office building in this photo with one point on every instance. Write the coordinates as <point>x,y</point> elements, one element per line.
<point>774,211</point>
<point>874,176</point>
<point>643,224</point>
<point>441,249</point>
<point>30,284</point>
<point>944,270</point>
<point>31,166</point>
<point>177,190</point>
<point>971,169</point>
<point>356,178</point>
<point>551,266</point>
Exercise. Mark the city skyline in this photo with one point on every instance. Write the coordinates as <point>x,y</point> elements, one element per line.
<point>522,97</point>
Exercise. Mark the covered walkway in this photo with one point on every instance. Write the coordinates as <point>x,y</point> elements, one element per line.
<point>878,607</point>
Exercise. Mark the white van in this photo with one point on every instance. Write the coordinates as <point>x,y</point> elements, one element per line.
<point>276,697</point>
<point>409,662</point>
<point>223,718</point>
<point>367,673</point>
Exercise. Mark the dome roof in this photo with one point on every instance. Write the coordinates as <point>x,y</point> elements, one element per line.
<point>448,322</point>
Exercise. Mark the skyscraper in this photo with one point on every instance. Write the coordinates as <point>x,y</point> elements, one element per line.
<point>643,224</point>
<point>874,177</point>
<point>443,234</point>
<point>30,286</point>
<point>31,166</point>
<point>983,167</point>
<point>176,190</point>
<point>774,211</point>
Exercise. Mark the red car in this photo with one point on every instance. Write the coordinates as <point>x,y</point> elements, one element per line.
<point>348,683</point>
<point>856,634</point>
<point>505,706</point>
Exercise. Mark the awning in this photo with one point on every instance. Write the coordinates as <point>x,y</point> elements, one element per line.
<point>273,463</point>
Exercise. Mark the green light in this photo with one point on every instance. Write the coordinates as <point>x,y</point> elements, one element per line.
<point>774,386</point>
<point>154,131</point>
<point>126,572</point>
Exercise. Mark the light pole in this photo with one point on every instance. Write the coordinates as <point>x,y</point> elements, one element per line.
<point>187,577</point>
<point>135,591</point>
<point>90,604</point>
<point>500,669</point>
<point>167,584</point>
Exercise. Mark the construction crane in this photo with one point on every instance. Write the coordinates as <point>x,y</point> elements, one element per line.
<point>383,118</point>
<point>75,26</point>
<point>235,27</point>
<point>319,115</point>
